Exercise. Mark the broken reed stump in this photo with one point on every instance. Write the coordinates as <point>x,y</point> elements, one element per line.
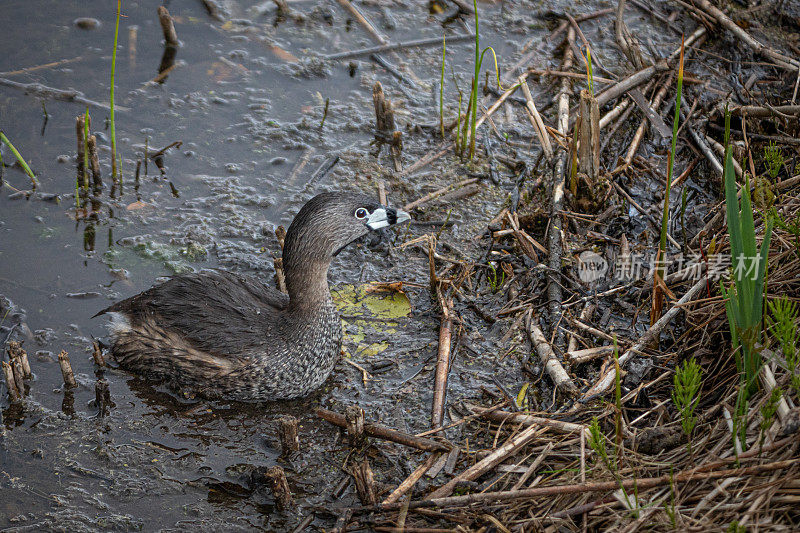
<point>280,233</point>
<point>167,27</point>
<point>19,380</point>
<point>589,138</point>
<point>384,115</point>
<point>354,416</point>
<point>365,482</point>
<point>396,150</point>
<point>102,397</point>
<point>94,164</point>
<point>15,350</point>
<point>66,370</point>
<point>80,127</point>
<point>287,432</point>
<point>97,354</point>
<point>280,275</point>
<point>286,12</point>
<point>384,124</point>
<point>279,486</point>
<point>11,385</point>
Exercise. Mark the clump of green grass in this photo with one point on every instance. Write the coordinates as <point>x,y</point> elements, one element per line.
<point>686,386</point>
<point>20,159</point>
<point>745,296</point>
<point>783,315</point>
<point>496,280</point>
<point>468,135</point>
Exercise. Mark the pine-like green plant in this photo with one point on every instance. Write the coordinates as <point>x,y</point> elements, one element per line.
<point>773,159</point>
<point>783,315</point>
<point>686,386</point>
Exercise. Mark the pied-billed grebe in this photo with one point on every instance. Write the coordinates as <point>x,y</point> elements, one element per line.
<point>231,336</point>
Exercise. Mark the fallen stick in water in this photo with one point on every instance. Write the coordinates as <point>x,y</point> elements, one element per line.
<point>435,41</point>
<point>442,365</point>
<point>548,358</point>
<point>42,91</point>
<point>385,433</point>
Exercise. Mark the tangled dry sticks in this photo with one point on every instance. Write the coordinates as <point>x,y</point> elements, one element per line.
<point>595,440</point>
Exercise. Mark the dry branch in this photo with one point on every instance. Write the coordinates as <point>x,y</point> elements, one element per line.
<point>512,446</point>
<point>411,480</point>
<point>382,432</point>
<point>442,365</point>
<point>549,359</point>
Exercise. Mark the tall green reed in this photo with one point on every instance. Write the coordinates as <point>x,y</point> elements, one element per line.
<point>470,126</point>
<point>111,96</point>
<point>441,88</point>
<point>662,245</point>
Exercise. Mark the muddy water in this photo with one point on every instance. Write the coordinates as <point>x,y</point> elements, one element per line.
<point>246,100</point>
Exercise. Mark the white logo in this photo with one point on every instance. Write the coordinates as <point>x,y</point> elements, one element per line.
<point>591,266</point>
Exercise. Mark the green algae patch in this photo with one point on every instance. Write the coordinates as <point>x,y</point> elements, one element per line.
<point>372,301</point>
<point>369,315</point>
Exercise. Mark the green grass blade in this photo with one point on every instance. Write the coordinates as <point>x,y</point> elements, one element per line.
<point>763,259</point>
<point>748,223</point>
<point>20,159</point>
<point>732,205</point>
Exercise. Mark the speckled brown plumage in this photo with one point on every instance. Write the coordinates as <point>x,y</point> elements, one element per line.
<point>229,335</point>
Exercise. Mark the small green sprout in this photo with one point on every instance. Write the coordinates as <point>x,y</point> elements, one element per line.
<point>773,159</point>
<point>685,395</point>
<point>783,314</point>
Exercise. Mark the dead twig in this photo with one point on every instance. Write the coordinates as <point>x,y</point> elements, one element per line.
<point>385,433</point>
<point>442,365</point>
<point>548,357</point>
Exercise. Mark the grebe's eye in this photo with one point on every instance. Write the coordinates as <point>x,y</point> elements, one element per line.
<point>361,213</point>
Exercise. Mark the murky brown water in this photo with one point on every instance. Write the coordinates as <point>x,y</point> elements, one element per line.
<point>247,114</point>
